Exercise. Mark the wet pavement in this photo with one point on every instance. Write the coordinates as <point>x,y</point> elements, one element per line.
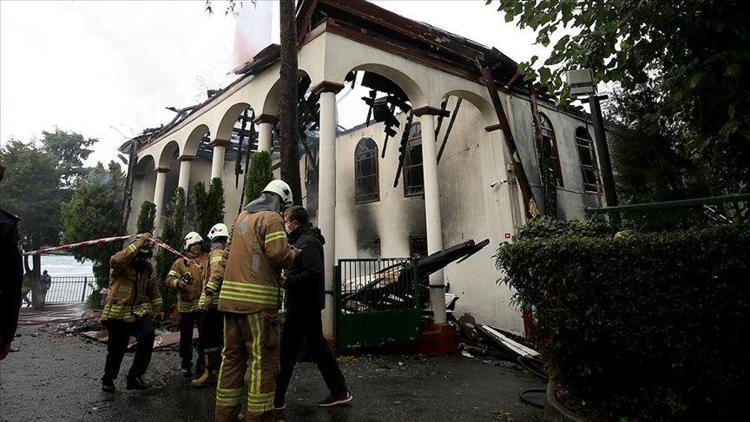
<point>56,377</point>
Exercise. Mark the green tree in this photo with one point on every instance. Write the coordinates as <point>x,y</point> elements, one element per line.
<point>93,212</point>
<point>258,175</point>
<point>70,149</point>
<point>32,190</point>
<point>208,205</point>
<point>146,217</point>
<point>691,52</point>
<point>171,234</point>
<point>651,151</point>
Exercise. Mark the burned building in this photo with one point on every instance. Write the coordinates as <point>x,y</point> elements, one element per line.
<point>450,149</point>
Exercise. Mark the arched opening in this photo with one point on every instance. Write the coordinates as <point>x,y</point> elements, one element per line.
<point>375,122</point>
<point>367,183</point>
<point>168,160</point>
<point>144,181</point>
<point>587,158</point>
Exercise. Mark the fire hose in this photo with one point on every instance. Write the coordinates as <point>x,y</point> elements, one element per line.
<point>96,242</point>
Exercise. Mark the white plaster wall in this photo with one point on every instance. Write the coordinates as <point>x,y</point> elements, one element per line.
<point>392,219</point>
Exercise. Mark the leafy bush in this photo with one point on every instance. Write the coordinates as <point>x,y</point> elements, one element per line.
<point>208,206</point>
<point>171,233</point>
<point>258,175</point>
<point>644,326</point>
<point>146,217</point>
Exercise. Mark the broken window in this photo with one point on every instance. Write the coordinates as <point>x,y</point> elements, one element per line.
<point>550,141</point>
<point>587,156</point>
<point>367,187</point>
<point>413,175</point>
<point>417,246</point>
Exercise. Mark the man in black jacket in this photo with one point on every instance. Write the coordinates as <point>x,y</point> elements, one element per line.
<point>305,299</point>
<point>10,281</point>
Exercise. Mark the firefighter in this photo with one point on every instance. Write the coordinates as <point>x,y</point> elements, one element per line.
<point>133,301</point>
<point>212,323</point>
<point>250,298</point>
<point>187,278</point>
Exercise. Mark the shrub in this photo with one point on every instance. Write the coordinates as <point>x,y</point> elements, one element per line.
<point>258,175</point>
<point>172,234</point>
<point>643,326</point>
<point>146,217</point>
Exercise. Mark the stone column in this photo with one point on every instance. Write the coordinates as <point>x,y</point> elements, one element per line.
<point>432,207</point>
<point>327,192</point>
<point>185,165</point>
<point>217,164</point>
<point>265,123</point>
<point>161,179</point>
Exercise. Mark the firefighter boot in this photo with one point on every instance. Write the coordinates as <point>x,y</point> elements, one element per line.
<point>209,374</point>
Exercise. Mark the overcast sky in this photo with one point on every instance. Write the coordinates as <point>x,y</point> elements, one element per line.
<point>108,69</point>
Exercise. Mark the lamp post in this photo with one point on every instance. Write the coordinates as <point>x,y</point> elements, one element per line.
<point>581,83</point>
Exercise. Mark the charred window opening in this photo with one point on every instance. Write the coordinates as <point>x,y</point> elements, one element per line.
<point>417,246</point>
<point>550,142</point>
<point>413,175</point>
<point>367,186</point>
<point>587,157</point>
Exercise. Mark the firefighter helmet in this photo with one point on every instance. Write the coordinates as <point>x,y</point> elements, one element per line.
<point>218,230</point>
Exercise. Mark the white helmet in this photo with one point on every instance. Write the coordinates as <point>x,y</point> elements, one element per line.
<point>280,188</point>
<point>191,239</point>
<point>218,230</point>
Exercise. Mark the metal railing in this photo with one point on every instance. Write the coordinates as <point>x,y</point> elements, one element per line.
<point>681,214</point>
<point>373,285</point>
<point>69,289</point>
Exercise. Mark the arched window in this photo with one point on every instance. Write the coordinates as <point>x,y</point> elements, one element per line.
<point>587,156</point>
<point>549,139</point>
<point>413,175</point>
<point>367,185</point>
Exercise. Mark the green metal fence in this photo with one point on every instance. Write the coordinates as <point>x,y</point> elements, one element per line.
<point>676,215</point>
<point>378,301</point>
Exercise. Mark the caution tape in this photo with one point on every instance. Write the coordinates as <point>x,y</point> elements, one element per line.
<point>104,240</point>
<point>79,244</point>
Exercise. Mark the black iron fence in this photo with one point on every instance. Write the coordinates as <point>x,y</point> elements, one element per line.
<point>69,289</point>
<point>372,285</point>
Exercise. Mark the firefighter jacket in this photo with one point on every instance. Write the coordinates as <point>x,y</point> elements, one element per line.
<point>259,251</point>
<point>132,292</point>
<point>215,275</point>
<point>187,299</point>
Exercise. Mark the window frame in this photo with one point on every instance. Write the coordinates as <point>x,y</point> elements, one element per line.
<point>594,167</point>
<point>549,131</point>
<point>415,137</point>
<point>359,197</point>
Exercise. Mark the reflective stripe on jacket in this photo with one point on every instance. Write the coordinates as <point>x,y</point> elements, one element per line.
<point>214,279</point>
<point>187,300</point>
<point>132,293</point>
<point>258,252</point>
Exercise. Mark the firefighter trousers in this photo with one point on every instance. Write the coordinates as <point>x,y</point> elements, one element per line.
<point>251,342</point>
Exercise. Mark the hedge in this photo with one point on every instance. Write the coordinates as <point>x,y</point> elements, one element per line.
<point>638,326</point>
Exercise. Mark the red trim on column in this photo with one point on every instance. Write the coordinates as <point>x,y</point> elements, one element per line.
<point>187,158</point>
<point>220,143</point>
<point>433,111</point>
<point>161,170</point>
<point>266,118</point>
<point>327,86</point>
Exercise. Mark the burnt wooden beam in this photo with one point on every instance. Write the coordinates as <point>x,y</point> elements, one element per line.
<point>450,127</point>
<point>510,142</point>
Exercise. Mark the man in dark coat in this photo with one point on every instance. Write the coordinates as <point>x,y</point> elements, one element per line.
<point>10,282</point>
<point>304,301</point>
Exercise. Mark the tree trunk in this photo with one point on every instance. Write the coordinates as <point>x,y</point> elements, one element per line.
<point>288,99</point>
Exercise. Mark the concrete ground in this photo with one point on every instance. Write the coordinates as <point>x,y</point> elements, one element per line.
<point>56,377</point>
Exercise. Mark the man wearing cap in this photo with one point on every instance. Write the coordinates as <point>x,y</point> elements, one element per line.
<point>187,277</point>
<point>132,302</point>
<point>250,297</point>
